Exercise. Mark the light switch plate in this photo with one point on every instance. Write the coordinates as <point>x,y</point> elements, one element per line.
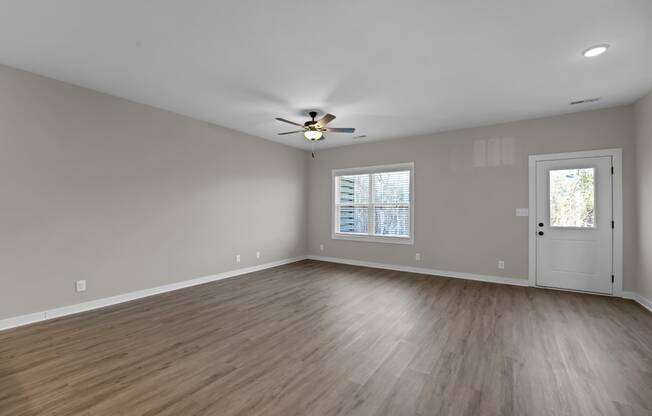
<point>522,212</point>
<point>80,285</point>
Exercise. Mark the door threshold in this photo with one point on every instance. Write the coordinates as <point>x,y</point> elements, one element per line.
<point>586,292</point>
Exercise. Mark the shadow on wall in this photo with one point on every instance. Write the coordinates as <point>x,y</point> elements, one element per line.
<point>480,154</point>
<point>494,152</point>
<point>13,398</point>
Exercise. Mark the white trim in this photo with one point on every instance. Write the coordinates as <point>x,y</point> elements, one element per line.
<point>532,221</point>
<point>31,318</point>
<point>643,301</point>
<point>370,237</point>
<point>646,303</point>
<point>21,320</point>
<point>126,297</point>
<point>394,167</point>
<point>617,178</point>
<point>422,270</point>
<point>617,191</point>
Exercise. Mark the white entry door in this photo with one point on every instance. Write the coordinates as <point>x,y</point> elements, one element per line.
<point>574,233</point>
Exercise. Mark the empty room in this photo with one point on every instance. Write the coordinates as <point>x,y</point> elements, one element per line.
<point>341,208</point>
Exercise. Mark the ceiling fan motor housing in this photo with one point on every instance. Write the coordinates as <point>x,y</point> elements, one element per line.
<point>312,122</point>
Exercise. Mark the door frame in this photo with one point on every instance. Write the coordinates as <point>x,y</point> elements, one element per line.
<point>617,205</point>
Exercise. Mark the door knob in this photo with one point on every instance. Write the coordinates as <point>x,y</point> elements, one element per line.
<point>540,232</point>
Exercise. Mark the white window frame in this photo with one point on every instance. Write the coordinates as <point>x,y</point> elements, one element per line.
<point>335,235</point>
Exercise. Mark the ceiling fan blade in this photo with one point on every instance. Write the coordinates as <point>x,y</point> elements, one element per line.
<point>341,130</point>
<point>288,121</point>
<point>325,120</point>
<point>291,132</point>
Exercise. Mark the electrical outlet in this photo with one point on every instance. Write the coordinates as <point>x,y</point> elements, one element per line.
<point>237,258</point>
<point>417,257</point>
<point>258,254</point>
<point>80,285</point>
<point>321,247</point>
<point>501,264</point>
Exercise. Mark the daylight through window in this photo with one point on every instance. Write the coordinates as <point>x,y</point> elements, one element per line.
<point>572,198</point>
<point>374,204</point>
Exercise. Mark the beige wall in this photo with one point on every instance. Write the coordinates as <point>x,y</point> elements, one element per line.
<point>465,198</point>
<point>643,119</point>
<point>130,197</point>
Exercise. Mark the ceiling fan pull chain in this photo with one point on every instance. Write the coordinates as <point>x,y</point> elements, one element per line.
<point>312,150</point>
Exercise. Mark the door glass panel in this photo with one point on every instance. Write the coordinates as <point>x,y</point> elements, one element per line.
<point>572,198</point>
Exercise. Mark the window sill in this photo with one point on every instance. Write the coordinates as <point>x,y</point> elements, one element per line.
<point>373,239</point>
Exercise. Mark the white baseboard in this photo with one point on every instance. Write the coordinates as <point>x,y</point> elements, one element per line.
<point>646,303</point>
<point>126,297</point>
<point>643,301</point>
<point>422,270</point>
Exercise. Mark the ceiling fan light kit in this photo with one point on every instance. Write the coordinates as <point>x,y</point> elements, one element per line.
<point>313,135</point>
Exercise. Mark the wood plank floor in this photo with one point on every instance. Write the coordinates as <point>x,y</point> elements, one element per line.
<point>314,338</point>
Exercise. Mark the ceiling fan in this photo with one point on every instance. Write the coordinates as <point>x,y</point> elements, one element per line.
<point>314,130</point>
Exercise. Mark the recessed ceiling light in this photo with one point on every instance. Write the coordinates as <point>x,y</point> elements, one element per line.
<point>596,50</point>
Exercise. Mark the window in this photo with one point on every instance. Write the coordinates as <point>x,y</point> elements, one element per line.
<point>374,203</point>
<point>572,198</point>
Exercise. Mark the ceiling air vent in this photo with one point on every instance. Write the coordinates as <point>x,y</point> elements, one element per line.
<point>586,101</point>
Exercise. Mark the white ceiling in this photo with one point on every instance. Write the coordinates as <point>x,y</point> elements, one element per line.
<point>389,68</point>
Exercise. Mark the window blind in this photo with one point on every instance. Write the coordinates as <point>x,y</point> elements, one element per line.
<point>375,204</point>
